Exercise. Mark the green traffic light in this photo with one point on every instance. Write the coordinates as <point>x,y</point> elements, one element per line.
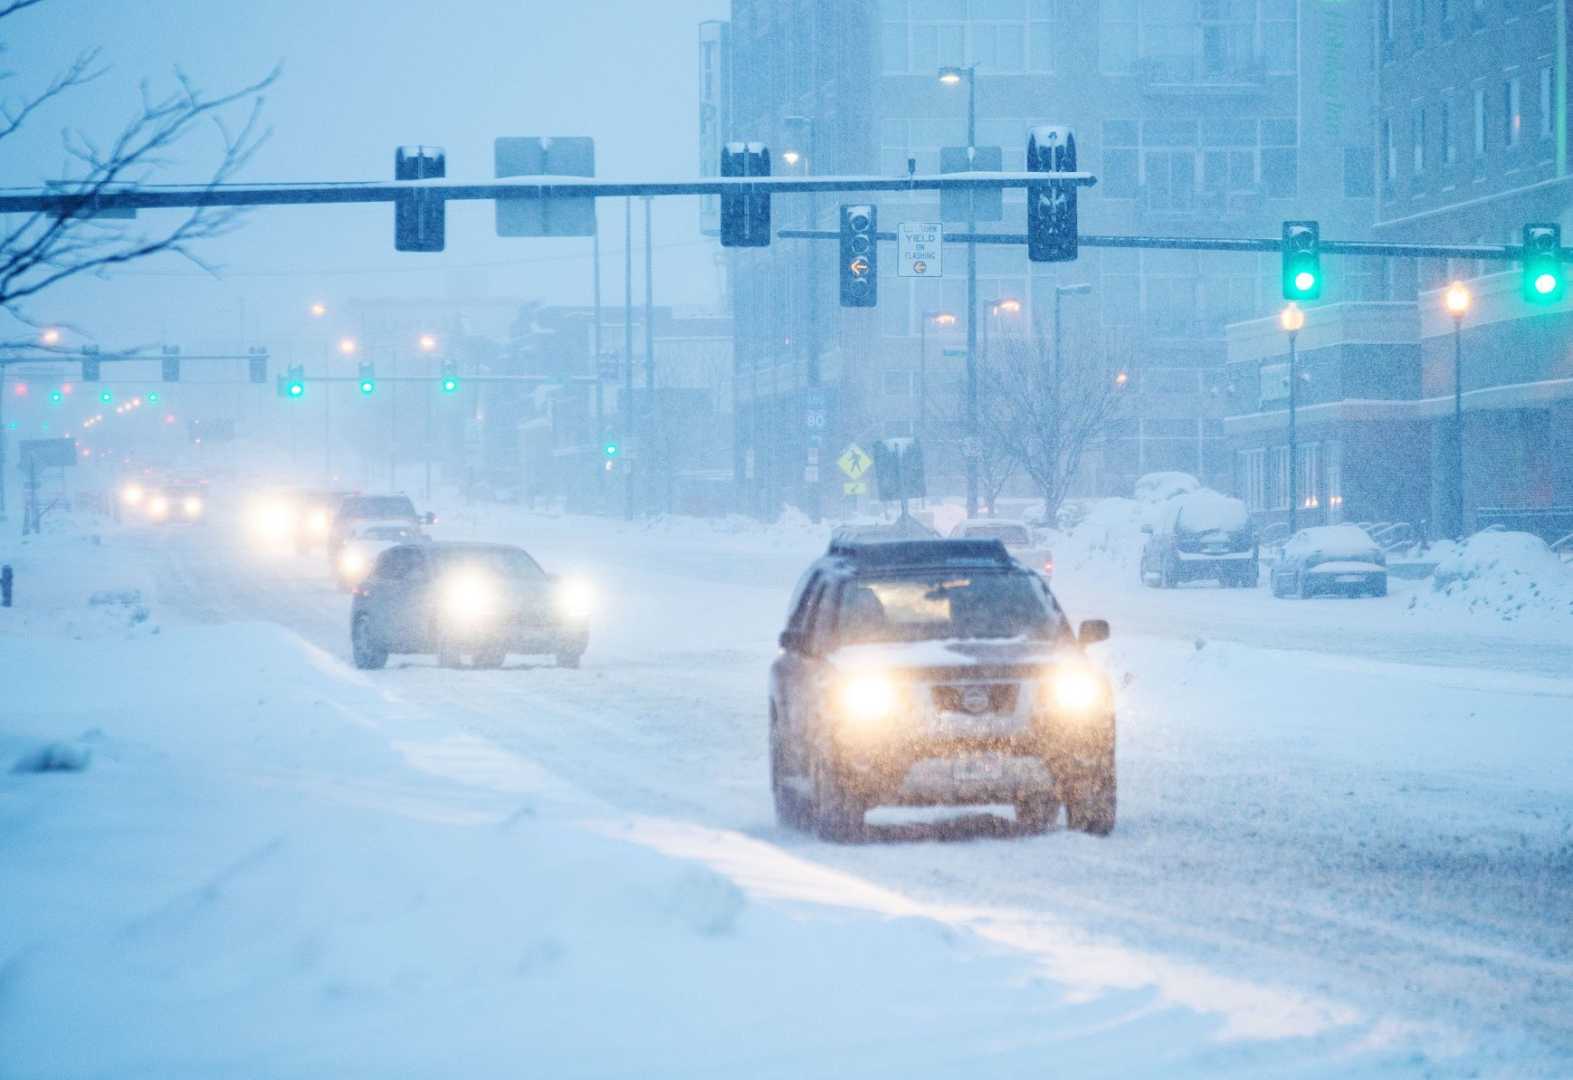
<point>450,385</point>
<point>106,397</point>
<point>296,389</point>
<point>367,386</point>
<point>56,397</point>
<point>610,449</point>
<point>152,398</point>
<point>1305,281</point>
<point>1545,284</point>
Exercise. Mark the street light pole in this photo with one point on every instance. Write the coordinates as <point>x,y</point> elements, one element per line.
<point>1292,319</point>
<point>1457,300</point>
<point>950,76</point>
<point>627,409</point>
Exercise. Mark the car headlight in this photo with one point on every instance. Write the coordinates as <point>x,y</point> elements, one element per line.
<point>131,494</point>
<point>575,599</point>
<point>869,699</point>
<point>318,522</point>
<point>468,598</point>
<point>1075,688</point>
<point>158,506</point>
<point>352,564</point>
<point>191,505</point>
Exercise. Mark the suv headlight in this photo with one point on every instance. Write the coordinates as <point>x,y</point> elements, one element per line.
<point>468,598</point>
<point>867,700</point>
<point>1077,689</point>
<point>352,563</point>
<point>191,505</point>
<point>575,599</point>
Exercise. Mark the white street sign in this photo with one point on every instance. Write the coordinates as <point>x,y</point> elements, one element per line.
<point>921,249</point>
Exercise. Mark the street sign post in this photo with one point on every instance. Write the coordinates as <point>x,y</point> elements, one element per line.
<point>558,215</point>
<point>921,249</point>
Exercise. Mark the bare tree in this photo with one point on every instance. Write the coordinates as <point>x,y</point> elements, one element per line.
<point>44,248</point>
<point>1043,419</point>
<point>996,455</point>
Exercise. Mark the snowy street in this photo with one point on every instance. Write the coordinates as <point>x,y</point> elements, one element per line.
<point>1334,853</point>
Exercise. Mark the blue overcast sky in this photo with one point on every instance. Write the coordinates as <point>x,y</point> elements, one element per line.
<point>359,78</point>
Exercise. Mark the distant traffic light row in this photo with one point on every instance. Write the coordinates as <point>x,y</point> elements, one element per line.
<point>292,384</point>
<point>1542,280</point>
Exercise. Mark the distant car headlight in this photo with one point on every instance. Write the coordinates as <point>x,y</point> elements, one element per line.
<point>318,522</point>
<point>158,506</point>
<point>191,506</point>
<point>868,700</point>
<point>468,598</point>
<point>352,564</point>
<point>271,518</point>
<point>575,599</point>
<point>131,494</point>
<point>1077,689</point>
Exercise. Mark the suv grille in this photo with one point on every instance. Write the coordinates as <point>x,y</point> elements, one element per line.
<point>1001,697</point>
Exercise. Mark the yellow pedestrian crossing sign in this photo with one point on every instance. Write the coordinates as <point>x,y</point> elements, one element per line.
<point>854,462</point>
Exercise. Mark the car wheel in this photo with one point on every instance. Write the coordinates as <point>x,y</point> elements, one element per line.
<point>790,811</point>
<point>838,814</point>
<point>568,660</point>
<point>1090,802</point>
<point>367,654</point>
<point>489,658</point>
<point>1038,814</point>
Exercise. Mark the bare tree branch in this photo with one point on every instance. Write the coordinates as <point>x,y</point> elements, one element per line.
<point>48,247</point>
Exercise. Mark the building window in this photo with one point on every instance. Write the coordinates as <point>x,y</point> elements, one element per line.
<point>1512,114</point>
<point>1417,131</point>
<point>893,47</point>
<point>1280,32</point>
<point>1253,479</point>
<point>1546,113</point>
<point>1117,37</point>
<point>1449,28</point>
<point>898,383</point>
<point>1280,158</point>
<point>1445,122</point>
<point>1278,478</point>
<point>1389,154</point>
<point>1417,23</point>
<point>1040,36</point>
<point>1477,14</point>
<point>1480,123</point>
<point>1121,169</point>
<point>1306,476</point>
<point>1385,19</point>
<point>1333,478</point>
<point>1359,172</point>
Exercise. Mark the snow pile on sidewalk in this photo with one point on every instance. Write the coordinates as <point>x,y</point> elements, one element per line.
<point>76,584</point>
<point>1511,576</point>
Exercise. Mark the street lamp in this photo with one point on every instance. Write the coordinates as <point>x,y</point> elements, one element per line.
<point>318,309</point>
<point>347,346</point>
<point>428,342</point>
<point>799,137</point>
<point>51,336</point>
<point>1292,319</point>
<point>939,318</point>
<point>951,75</point>
<point>1457,299</point>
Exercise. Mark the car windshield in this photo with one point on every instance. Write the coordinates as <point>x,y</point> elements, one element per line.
<point>944,606</point>
<point>513,564</point>
<point>373,506</point>
<point>1012,535</point>
<point>388,532</point>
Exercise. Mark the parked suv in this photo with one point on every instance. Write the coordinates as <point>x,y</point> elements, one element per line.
<point>1202,535</point>
<point>936,672</point>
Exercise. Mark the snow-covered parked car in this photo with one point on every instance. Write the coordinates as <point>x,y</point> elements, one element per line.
<point>458,599</point>
<point>936,672</point>
<point>1199,536</point>
<point>1330,559</point>
<point>1017,537</point>
<point>364,542</point>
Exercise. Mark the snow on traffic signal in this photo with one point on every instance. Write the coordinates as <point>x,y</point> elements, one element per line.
<point>1051,207</point>
<point>745,219</point>
<point>170,367</point>
<point>419,217</point>
<point>292,384</point>
<point>859,255</point>
<point>368,379</point>
<point>450,378</point>
<point>1543,282</point>
<point>1302,260</point>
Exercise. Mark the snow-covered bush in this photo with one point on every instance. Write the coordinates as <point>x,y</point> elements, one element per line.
<point>1507,575</point>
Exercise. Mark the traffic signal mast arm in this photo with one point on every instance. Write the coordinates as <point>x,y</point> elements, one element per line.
<point>163,197</point>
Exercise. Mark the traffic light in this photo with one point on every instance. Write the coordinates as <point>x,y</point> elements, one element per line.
<point>1543,283</point>
<point>859,255</point>
<point>257,363</point>
<point>1051,206</point>
<point>90,371</point>
<point>153,397</point>
<point>419,217</point>
<point>610,449</point>
<point>368,379</point>
<point>107,397</point>
<point>745,219</point>
<point>1302,260</point>
<point>171,363</point>
<point>450,377</point>
<point>292,384</point>
<point>56,397</point>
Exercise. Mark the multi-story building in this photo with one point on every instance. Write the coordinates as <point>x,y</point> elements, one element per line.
<point>1218,117</point>
<point>1471,144</point>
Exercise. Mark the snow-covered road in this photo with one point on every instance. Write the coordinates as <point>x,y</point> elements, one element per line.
<point>1345,837</point>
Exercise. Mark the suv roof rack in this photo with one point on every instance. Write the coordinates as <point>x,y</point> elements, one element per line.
<point>891,553</point>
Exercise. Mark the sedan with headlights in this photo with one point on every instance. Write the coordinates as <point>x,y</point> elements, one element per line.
<point>937,673</point>
<point>172,503</point>
<point>459,599</point>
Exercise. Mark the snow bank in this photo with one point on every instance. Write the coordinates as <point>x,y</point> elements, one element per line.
<point>1162,486</point>
<point>1506,576</point>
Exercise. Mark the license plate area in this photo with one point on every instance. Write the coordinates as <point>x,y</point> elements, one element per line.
<point>976,768</point>
<point>949,725</point>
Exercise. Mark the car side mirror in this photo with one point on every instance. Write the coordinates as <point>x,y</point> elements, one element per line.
<point>428,518</point>
<point>792,640</point>
<point>1093,631</point>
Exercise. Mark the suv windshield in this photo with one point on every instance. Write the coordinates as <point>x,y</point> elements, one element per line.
<point>510,563</point>
<point>378,506</point>
<point>946,605</point>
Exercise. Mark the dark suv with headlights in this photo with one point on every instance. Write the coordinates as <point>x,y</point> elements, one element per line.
<point>480,600</point>
<point>936,672</point>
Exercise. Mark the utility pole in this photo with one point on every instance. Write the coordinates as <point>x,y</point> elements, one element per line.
<point>595,346</point>
<point>628,355</point>
<point>649,361</point>
<point>1292,319</point>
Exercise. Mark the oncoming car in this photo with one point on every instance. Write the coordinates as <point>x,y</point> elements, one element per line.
<point>171,503</point>
<point>1330,559</point>
<point>460,599</point>
<point>936,673</point>
<point>1017,537</point>
<point>356,510</point>
<point>364,543</point>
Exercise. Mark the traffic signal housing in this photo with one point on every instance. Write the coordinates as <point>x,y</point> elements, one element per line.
<point>745,219</point>
<point>420,220</point>
<point>292,384</point>
<point>1302,260</point>
<point>859,255</point>
<point>368,379</point>
<point>1051,206</point>
<point>1543,283</point>
<point>449,383</point>
<point>257,364</point>
<point>171,363</point>
<point>90,363</point>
